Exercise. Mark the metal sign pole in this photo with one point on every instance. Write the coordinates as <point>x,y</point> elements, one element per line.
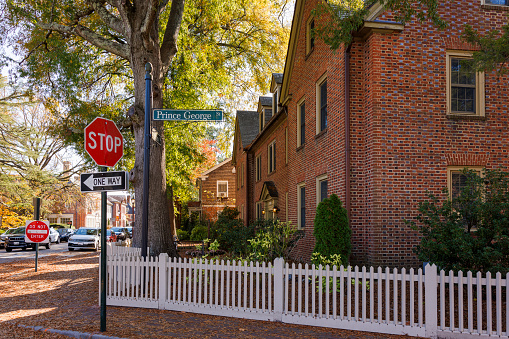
<point>104,199</point>
<point>146,158</point>
<point>37,215</point>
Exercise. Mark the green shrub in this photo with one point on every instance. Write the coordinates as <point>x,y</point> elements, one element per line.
<point>331,230</point>
<point>231,232</point>
<point>469,231</point>
<point>273,239</point>
<point>199,233</point>
<point>182,235</point>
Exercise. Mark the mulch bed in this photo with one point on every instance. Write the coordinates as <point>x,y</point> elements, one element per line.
<point>63,295</point>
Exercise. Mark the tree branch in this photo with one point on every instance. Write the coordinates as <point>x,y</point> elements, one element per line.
<point>90,36</point>
<point>169,45</point>
<point>109,19</point>
<point>150,17</point>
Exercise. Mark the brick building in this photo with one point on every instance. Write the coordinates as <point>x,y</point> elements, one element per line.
<point>380,122</point>
<point>216,191</point>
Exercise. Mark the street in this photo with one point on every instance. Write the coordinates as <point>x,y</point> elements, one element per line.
<point>18,254</point>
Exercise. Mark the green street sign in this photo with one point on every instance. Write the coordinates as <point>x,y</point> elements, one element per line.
<point>187,115</point>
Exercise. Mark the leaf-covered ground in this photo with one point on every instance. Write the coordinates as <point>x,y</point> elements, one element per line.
<point>63,295</point>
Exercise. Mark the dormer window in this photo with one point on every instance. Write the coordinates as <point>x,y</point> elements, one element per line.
<point>275,100</point>
<point>261,120</point>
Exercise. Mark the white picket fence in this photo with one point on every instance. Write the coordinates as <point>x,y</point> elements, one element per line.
<point>381,301</point>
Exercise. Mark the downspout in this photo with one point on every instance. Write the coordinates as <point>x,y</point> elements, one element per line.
<point>347,132</point>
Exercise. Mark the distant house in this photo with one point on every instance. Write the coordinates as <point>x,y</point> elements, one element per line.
<point>217,189</point>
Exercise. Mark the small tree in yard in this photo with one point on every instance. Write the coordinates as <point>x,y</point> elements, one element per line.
<point>332,232</point>
<point>470,231</point>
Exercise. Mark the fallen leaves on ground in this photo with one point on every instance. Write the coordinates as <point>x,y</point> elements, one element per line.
<point>64,295</point>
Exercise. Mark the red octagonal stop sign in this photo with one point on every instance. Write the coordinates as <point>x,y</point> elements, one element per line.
<point>37,231</point>
<point>104,142</point>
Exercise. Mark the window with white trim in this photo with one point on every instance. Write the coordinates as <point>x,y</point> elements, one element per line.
<point>258,168</point>
<point>310,35</point>
<point>275,100</point>
<point>321,104</point>
<point>301,123</point>
<point>321,188</point>
<point>465,86</point>
<point>259,209</point>
<point>222,189</point>
<point>457,180</point>
<point>271,153</point>
<point>301,205</point>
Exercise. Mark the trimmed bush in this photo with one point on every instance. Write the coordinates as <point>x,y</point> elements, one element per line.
<point>182,235</point>
<point>331,231</point>
<point>199,233</point>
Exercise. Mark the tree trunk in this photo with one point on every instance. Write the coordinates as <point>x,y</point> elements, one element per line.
<point>159,221</point>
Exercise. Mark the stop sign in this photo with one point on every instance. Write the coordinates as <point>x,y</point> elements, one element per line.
<point>37,231</point>
<point>104,142</point>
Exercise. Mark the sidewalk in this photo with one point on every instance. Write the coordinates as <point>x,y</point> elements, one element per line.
<point>63,296</point>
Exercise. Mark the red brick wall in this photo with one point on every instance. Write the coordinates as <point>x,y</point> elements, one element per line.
<point>280,175</point>
<point>401,140</point>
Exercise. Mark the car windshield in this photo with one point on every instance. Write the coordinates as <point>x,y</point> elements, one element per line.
<point>63,231</point>
<point>19,230</point>
<point>86,231</point>
<point>10,231</point>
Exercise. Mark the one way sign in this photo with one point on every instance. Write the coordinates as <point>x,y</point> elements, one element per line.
<point>104,181</point>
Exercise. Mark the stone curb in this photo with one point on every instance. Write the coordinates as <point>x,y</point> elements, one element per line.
<point>72,334</point>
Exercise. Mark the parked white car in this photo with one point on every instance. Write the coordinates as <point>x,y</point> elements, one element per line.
<point>54,236</point>
<point>84,238</point>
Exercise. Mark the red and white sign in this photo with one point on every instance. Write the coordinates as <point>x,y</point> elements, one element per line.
<point>37,231</point>
<point>104,142</point>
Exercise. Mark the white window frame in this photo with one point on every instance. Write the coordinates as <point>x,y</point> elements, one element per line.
<point>275,100</point>
<point>219,182</point>
<point>258,167</point>
<point>299,206</point>
<point>319,179</point>
<point>318,102</point>
<point>309,37</point>
<point>261,120</point>
<point>259,209</point>
<point>300,142</point>
<point>479,85</point>
<point>273,146</point>
<point>459,169</point>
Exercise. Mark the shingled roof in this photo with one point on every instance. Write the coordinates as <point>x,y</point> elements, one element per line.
<point>266,101</point>
<point>248,125</point>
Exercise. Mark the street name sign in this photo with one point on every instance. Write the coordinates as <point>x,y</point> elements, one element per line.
<point>187,115</point>
<point>104,181</point>
<point>104,142</point>
<point>37,231</point>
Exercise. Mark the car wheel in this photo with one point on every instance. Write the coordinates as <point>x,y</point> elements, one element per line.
<point>96,247</point>
<point>8,249</point>
<point>71,249</point>
<point>48,245</point>
<point>24,249</point>
<point>58,240</point>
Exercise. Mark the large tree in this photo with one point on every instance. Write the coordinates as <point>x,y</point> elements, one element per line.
<point>116,38</point>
